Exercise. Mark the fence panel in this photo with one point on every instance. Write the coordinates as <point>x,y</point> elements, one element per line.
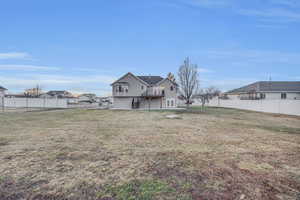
<point>290,107</point>
<point>34,103</point>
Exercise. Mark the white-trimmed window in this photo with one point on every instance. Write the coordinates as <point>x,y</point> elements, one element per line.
<point>121,88</point>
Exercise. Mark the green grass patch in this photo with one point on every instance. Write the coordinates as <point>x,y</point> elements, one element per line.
<point>139,189</point>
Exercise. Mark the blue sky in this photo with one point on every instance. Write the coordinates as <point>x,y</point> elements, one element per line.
<point>82,46</point>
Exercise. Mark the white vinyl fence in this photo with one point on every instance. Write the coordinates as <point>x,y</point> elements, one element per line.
<point>289,107</point>
<point>33,103</point>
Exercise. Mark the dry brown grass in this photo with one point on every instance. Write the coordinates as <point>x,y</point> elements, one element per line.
<point>103,154</point>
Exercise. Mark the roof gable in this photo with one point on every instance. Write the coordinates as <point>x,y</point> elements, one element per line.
<point>130,74</point>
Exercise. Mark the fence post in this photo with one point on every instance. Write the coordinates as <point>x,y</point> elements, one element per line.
<point>2,99</point>
<point>26,103</point>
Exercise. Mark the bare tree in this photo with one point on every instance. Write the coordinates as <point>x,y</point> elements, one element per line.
<point>188,80</point>
<point>206,95</point>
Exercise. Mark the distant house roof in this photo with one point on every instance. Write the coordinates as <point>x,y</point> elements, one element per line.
<point>269,86</point>
<point>2,88</point>
<point>57,92</point>
<point>151,80</point>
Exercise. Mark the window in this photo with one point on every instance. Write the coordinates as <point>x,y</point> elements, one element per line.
<point>163,92</point>
<point>172,103</point>
<point>168,103</point>
<point>142,87</point>
<point>171,88</point>
<point>262,95</point>
<point>283,95</point>
<point>121,88</point>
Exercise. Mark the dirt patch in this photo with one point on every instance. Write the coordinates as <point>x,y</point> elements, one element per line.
<point>215,182</point>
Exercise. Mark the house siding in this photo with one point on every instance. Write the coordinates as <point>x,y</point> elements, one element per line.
<point>122,102</point>
<point>274,96</point>
<point>166,84</point>
<point>134,87</point>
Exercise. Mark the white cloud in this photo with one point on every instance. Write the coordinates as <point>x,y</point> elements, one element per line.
<point>49,82</point>
<point>204,70</point>
<point>226,84</point>
<point>28,68</point>
<point>14,55</point>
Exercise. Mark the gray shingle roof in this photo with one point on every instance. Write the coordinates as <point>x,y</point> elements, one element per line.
<point>2,88</point>
<point>151,80</point>
<point>269,86</point>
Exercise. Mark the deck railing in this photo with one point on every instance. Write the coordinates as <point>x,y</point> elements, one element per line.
<point>154,92</point>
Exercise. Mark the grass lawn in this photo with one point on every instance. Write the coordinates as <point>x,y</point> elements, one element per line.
<point>119,155</point>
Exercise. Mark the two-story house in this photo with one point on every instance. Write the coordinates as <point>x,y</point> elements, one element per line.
<point>144,92</point>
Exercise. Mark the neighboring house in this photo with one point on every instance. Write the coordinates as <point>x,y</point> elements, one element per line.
<point>57,94</point>
<point>87,98</point>
<point>2,91</point>
<point>144,92</point>
<point>266,90</point>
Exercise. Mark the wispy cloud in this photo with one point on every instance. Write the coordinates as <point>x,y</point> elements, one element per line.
<point>89,83</point>
<point>250,56</point>
<point>14,55</point>
<point>271,26</point>
<point>27,68</point>
<point>273,14</point>
<point>209,3</point>
<point>289,3</point>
